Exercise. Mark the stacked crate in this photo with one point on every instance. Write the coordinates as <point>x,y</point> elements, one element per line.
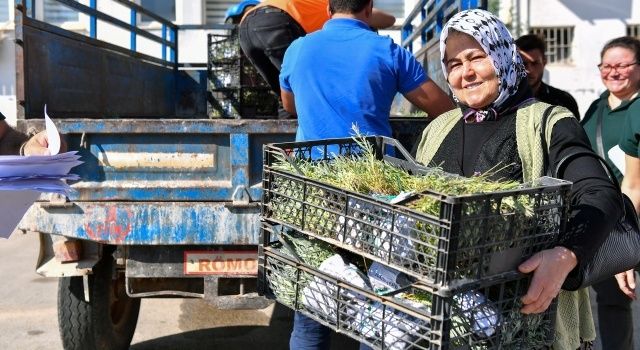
<point>463,262</point>
<point>235,89</point>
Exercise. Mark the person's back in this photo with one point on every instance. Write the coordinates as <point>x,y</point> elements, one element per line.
<point>346,74</point>
<point>310,14</point>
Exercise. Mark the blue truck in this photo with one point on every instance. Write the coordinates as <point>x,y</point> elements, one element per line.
<point>168,204</point>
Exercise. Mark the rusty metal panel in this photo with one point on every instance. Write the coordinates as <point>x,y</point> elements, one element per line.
<point>152,223</point>
<point>170,160</point>
<point>81,78</point>
<point>139,187</point>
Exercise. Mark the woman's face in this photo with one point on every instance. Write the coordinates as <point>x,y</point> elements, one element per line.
<point>470,71</point>
<point>620,72</point>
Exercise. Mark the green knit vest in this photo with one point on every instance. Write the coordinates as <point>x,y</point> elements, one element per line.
<point>574,321</point>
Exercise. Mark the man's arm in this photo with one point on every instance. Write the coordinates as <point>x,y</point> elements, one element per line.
<point>3,128</point>
<point>288,101</point>
<point>381,20</point>
<point>430,98</point>
<point>13,142</point>
<point>10,139</point>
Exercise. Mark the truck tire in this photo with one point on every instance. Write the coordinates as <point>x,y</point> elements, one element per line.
<point>107,321</point>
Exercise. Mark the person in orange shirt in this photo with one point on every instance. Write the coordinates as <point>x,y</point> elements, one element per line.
<point>267,30</point>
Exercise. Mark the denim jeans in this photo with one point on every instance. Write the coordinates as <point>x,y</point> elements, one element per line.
<point>308,334</point>
<point>265,34</point>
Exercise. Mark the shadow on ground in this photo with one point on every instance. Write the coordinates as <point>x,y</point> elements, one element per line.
<point>274,336</point>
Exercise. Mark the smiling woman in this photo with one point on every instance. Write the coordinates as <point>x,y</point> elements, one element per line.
<point>613,127</point>
<point>498,125</point>
<point>471,73</point>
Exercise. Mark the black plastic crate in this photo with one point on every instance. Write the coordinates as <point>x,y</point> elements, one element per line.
<point>474,237</point>
<point>242,103</point>
<point>224,47</point>
<point>483,317</point>
<point>235,88</point>
<point>229,75</point>
<point>227,65</point>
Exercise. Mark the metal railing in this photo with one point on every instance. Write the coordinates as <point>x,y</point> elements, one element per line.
<point>168,39</point>
<point>433,15</point>
<point>421,31</point>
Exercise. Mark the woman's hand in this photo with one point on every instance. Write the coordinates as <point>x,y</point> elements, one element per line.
<point>550,268</point>
<point>627,283</point>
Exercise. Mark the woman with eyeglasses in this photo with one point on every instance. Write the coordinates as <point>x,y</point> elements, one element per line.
<point>612,123</point>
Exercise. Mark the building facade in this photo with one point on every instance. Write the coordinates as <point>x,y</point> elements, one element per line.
<point>575,32</point>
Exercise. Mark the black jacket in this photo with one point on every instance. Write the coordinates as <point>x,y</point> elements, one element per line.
<point>557,97</point>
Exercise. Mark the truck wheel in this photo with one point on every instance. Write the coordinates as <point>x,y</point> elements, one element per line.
<point>107,321</point>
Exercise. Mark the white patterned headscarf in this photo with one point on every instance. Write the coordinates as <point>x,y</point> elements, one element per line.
<point>497,43</point>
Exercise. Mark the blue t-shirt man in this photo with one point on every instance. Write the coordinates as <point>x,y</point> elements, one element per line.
<point>346,74</point>
<point>342,75</point>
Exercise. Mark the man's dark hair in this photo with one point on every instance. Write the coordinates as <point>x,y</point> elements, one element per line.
<point>626,42</point>
<point>347,6</point>
<point>531,42</point>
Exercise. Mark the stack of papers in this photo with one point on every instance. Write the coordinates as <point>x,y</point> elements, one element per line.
<point>22,179</point>
<point>38,173</point>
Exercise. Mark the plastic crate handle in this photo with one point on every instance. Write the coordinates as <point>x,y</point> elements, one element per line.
<point>388,141</point>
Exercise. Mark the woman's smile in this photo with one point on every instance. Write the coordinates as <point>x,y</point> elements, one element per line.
<point>472,85</point>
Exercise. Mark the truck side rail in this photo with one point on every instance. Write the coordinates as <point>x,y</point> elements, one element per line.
<point>168,39</point>
<point>421,31</point>
<point>79,76</point>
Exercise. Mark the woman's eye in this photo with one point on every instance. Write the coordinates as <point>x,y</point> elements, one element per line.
<point>477,58</point>
<point>454,66</point>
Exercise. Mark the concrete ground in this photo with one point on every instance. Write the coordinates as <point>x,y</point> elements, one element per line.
<point>28,315</point>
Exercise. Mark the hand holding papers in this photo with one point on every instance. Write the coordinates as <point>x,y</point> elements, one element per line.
<point>46,142</point>
<point>22,179</point>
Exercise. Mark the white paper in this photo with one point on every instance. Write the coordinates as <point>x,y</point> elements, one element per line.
<point>58,165</point>
<point>22,179</point>
<point>617,155</point>
<point>53,137</point>
<point>42,185</point>
<point>13,206</point>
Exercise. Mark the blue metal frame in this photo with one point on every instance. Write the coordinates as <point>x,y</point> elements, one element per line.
<point>93,21</point>
<point>94,14</point>
<point>149,223</point>
<point>173,51</point>
<point>432,15</point>
<point>141,185</point>
<point>164,37</point>
<point>134,23</point>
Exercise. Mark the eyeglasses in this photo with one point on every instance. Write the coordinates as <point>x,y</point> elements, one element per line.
<point>605,68</point>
